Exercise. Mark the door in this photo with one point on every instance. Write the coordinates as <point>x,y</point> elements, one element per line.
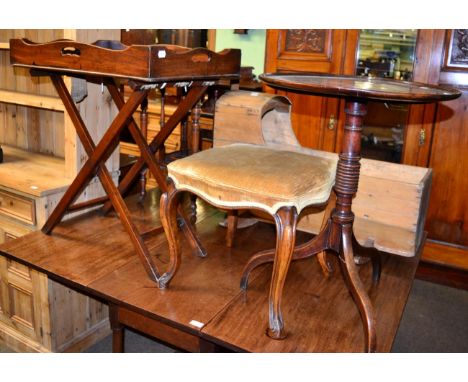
<point>24,313</point>
<point>22,295</point>
<point>437,137</point>
<point>447,218</point>
<point>315,120</point>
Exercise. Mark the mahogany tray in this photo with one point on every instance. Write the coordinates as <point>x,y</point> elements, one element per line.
<point>147,63</point>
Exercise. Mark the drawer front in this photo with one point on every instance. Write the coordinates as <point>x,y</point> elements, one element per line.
<point>17,207</point>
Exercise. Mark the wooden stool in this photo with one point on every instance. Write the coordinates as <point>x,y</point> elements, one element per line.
<point>245,176</point>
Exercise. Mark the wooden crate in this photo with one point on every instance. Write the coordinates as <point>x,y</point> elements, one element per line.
<point>391,203</point>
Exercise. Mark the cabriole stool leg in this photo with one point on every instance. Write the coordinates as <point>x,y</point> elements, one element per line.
<point>286,220</point>
<point>168,212</point>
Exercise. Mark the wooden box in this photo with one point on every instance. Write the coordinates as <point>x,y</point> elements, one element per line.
<point>391,203</point>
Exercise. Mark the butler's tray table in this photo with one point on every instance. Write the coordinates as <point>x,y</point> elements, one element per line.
<point>142,68</point>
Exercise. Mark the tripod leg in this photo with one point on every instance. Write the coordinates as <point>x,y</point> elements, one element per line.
<point>356,288</point>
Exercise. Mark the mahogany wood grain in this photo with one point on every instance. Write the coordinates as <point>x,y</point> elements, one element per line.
<point>335,52</point>
<point>444,149</point>
<point>148,63</point>
<point>378,89</point>
<point>118,333</point>
<point>315,324</point>
<point>286,222</point>
<point>144,133</point>
<point>163,332</point>
<point>441,254</point>
<point>91,253</point>
<point>447,216</point>
<point>443,274</point>
<point>337,234</point>
<point>143,68</point>
<point>193,96</point>
<point>62,251</point>
<point>203,286</point>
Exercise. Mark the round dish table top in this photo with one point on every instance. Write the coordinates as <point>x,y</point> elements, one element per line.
<point>360,87</point>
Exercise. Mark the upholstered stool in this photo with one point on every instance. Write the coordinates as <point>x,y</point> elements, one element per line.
<point>246,176</point>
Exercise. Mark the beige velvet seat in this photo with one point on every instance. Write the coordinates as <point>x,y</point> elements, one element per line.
<point>252,176</point>
<point>248,176</point>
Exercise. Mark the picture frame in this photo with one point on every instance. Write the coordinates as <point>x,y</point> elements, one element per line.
<point>456,50</point>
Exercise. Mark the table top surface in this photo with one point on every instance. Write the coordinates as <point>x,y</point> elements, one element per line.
<point>93,254</point>
<point>360,87</point>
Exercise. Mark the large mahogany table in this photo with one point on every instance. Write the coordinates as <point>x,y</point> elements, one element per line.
<point>337,234</point>
<point>204,309</point>
<point>142,67</point>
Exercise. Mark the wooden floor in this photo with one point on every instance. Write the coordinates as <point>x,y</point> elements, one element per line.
<point>94,255</point>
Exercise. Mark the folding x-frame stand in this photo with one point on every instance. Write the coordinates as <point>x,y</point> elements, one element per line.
<point>142,67</point>
<point>98,154</point>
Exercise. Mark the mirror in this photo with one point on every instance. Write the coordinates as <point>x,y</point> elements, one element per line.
<point>385,53</point>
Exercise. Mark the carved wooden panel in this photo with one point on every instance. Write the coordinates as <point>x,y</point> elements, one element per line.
<point>456,50</point>
<point>305,44</point>
<point>305,40</point>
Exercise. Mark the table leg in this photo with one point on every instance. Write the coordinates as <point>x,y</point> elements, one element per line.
<point>337,234</point>
<point>148,158</point>
<point>195,148</point>
<point>346,186</point>
<point>206,346</point>
<point>186,104</point>
<point>232,220</point>
<point>357,289</point>
<point>118,330</point>
<point>96,162</point>
<point>147,155</point>
<point>97,154</point>
<point>144,132</point>
<point>323,255</point>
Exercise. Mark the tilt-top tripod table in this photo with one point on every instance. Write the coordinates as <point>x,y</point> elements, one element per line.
<point>337,234</point>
